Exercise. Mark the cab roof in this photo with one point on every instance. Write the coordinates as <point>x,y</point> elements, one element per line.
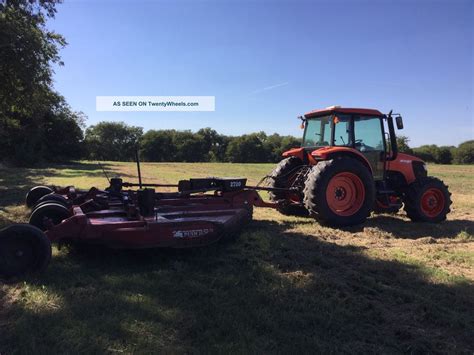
<point>333,109</point>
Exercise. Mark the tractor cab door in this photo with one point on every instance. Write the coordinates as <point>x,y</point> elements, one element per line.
<point>370,141</point>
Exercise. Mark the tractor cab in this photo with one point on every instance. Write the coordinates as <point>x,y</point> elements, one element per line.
<point>368,133</point>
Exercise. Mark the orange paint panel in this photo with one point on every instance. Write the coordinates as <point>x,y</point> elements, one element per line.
<point>325,153</point>
<point>403,164</point>
<point>295,152</point>
<point>356,111</point>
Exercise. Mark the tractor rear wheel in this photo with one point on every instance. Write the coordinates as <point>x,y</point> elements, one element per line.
<point>48,215</point>
<point>283,176</point>
<point>340,192</point>
<point>36,193</point>
<point>427,200</point>
<point>23,249</point>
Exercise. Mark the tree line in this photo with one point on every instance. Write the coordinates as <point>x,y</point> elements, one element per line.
<point>118,141</point>
<point>37,125</point>
<point>431,153</point>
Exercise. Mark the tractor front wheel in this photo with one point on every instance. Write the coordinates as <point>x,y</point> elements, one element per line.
<point>339,192</point>
<point>283,176</point>
<point>427,200</point>
<point>23,249</point>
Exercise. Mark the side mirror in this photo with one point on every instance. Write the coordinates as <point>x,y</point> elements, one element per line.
<point>303,121</point>
<point>399,121</point>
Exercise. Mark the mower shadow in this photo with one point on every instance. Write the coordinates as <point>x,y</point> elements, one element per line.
<point>271,290</point>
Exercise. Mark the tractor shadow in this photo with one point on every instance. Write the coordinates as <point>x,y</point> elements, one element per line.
<point>270,290</point>
<point>402,228</point>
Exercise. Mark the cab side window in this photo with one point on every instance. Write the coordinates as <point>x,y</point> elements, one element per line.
<point>342,130</point>
<point>368,134</point>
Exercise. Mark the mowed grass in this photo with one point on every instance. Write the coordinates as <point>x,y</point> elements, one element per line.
<point>286,285</point>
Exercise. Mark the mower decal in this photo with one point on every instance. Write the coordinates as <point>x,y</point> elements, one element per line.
<point>236,183</point>
<point>193,233</point>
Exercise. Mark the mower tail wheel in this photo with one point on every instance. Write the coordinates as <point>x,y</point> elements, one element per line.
<point>282,177</point>
<point>48,215</point>
<point>36,193</point>
<point>340,192</point>
<point>23,249</point>
<point>427,200</point>
<point>52,198</point>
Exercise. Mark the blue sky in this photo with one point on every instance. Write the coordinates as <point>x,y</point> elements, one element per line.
<point>267,62</point>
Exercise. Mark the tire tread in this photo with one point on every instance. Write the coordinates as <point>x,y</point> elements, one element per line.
<point>411,200</point>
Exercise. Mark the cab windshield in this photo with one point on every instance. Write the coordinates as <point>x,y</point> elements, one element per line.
<point>318,131</point>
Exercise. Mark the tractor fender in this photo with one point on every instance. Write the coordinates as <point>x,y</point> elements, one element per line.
<point>295,152</point>
<point>302,154</point>
<point>328,153</point>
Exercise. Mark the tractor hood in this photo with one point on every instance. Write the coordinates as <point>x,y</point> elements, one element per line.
<point>403,158</point>
<point>409,166</point>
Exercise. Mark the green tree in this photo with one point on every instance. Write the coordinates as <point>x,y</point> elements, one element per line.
<point>171,145</point>
<point>272,145</point>
<point>246,149</point>
<point>63,136</point>
<point>275,145</point>
<point>445,155</point>
<point>158,146</point>
<point>287,143</point>
<point>190,147</point>
<point>428,153</point>
<point>464,153</point>
<point>212,144</point>
<point>112,141</point>
<point>402,144</point>
<point>27,51</point>
<point>219,150</point>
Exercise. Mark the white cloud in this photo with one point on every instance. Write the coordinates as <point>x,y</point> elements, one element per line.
<point>271,87</point>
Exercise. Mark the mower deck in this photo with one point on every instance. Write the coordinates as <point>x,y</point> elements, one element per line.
<point>177,229</point>
<point>173,220</point>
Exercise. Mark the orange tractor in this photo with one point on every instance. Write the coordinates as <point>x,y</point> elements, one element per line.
<point>349,165</point>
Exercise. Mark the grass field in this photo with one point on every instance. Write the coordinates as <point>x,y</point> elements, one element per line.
<point>287,285</point>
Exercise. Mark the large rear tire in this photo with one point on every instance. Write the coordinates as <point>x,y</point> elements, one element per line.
<point>427,200</point>
<point>36,193</point>
<point>48,215</point>
<point>282,177</point>
<point>23,249</point>
<point>339,192</point>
